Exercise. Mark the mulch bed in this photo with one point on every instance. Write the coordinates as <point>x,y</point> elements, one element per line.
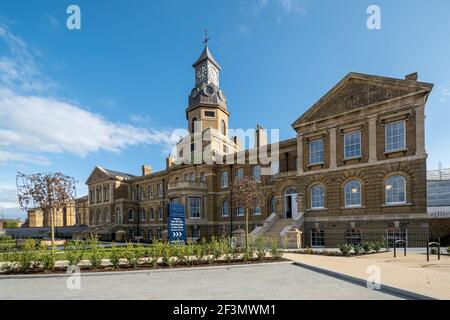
<point>149,267</point>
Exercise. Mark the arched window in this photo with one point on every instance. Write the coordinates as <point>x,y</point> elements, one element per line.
<point>119,217</point>
<point>225,208</point>
<point>317,197</point>
<point>99,215</point>
<point>223,127</point>
<point>194,125</point>
<point>352,193</point>
<point>290,191</point>
<point>395,190</point>
<point>272,205</point>
<point>130,215</point>
<point>143,214</point>
<point>202,177</point>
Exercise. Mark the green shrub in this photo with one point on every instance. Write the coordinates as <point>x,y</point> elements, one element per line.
<point>166,254</point>
<point>227,249</point>
<point>376,246</point>
<point>198,253</point>
<point>448,249</point>
<point>74,251</point>
<point>153,254</point>
<point>27,258</point>
<point>139,253</point>
<point>216,248</point>
<point>367,247</point>
<point>345,249</point>
<point>5,238</point>
<point>357,249</point>
<point>117,254</point>
<point>259,249</point>
<point>46,257</point>
<point>434,250</point>
<point>95,253</point>
<point>247,255</point>
<point>181,253</point>
<point>9,259</point>
<point>130,255</point>
<point>7,245</point>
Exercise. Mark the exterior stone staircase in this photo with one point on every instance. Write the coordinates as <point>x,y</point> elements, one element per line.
<point>283,230</point>
<point>100,229</point>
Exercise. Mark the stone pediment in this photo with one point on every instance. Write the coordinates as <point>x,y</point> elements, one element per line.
<point>98,174</point>
<point>357,91</point>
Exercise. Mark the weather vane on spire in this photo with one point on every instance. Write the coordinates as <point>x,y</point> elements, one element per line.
<point>206,38</point>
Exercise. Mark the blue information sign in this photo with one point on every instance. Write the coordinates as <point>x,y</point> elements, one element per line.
<point>177,223</point>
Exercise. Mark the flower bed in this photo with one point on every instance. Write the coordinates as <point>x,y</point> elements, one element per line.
<point>347,250</point>
<point>35,258</point>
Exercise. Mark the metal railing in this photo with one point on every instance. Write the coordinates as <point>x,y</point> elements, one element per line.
<point>334,238</point>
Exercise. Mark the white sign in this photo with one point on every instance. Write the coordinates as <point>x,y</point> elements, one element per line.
<point>439,212</point>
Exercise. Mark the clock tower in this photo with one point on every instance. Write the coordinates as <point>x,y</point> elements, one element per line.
<point>207,106</point>
<point>207,116</point>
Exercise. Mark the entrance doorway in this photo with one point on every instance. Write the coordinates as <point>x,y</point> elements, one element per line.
<point>290,203</point>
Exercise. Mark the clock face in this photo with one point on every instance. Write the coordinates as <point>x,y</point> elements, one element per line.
<point>213,75</point>
<point>200,74</point>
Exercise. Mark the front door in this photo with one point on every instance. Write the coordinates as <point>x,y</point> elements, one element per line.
<point>290,205</point>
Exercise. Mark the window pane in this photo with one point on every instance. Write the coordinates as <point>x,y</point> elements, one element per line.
<point>395,190</point>
<point>352,144</point>
<point>225,211</point>
<point>316,151</point>
<point>256,172</point>
<point>224,179</point>
<point>194,207</point>
<point>395,136</point>
<point>317,197</point>
<point>352,193</point>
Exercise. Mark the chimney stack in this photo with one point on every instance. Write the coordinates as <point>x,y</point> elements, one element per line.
<point>146,169</point>
<point>169,162</point>
<point>412,76</point>
<point>261,136</point>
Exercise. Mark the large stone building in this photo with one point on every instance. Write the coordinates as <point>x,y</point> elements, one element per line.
<point>65,217</point>
<point>356,163</point>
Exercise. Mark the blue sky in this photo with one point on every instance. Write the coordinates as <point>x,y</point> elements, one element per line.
<point>111,93</point>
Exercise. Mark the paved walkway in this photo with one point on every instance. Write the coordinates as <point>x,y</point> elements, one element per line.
<point>411,273</point>
<point>268,281</point>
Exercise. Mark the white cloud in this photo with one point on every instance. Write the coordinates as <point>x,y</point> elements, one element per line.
<point>293,6</point>
<point>9,207</point>
<point>19,69</point>
<point>443,93</point>
<point>46,124</point>
<point>244,30</point>
<point>35,122</point>
<point>253,7</point>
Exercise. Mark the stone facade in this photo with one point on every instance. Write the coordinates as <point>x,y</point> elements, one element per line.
<point>366,106</point>
<point>65,217</point>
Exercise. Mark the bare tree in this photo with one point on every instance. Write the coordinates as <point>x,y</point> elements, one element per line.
<point>246,195</point>
<point>50,192</point>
